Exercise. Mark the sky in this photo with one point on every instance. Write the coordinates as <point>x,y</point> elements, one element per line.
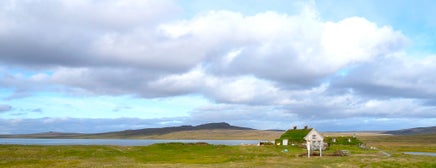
<point>96,66</point>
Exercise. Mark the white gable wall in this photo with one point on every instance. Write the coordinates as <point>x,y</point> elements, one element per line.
<point>314,136</point>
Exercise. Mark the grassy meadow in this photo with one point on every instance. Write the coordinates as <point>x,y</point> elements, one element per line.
<point>205,155</point>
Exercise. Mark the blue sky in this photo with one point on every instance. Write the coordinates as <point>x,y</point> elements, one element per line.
<point>96,66</point>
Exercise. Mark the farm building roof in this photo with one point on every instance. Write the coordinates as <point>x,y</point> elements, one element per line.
<point>295,135</point>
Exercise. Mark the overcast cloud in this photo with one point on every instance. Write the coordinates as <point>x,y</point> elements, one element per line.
<point>265,70</point>
<point>4,108</point>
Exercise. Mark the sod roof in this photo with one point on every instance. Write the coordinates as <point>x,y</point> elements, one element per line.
<point>295,135</point>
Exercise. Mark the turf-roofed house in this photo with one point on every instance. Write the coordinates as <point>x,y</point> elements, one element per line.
<point>309,138</point>
<point>312,140</point>
<point>299,137</point>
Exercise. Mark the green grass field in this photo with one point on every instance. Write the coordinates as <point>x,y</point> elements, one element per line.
<point>204,155</point>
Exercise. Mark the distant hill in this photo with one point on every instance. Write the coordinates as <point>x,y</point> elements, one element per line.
<point>167,130</point>
<point>43,135</point>
<point>413,131</point>
<point>151,133</point>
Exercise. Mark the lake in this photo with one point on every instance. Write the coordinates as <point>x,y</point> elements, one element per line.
<point>119,142</point>
<point>421,153</point>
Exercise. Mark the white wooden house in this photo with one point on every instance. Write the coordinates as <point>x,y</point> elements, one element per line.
<point>314,141</point>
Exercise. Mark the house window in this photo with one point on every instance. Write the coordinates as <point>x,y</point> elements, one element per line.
<point>313,136</point>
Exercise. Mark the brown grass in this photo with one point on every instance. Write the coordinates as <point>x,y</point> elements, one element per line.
<point>193,155</point>
<point>218,134</point>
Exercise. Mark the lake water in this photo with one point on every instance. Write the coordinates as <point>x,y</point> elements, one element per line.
<point>421,153</point>
<point>119,142</point>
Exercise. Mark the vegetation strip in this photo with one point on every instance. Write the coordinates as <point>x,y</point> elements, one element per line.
<point>206,155</point>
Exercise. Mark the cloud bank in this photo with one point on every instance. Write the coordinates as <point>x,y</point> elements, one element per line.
<point>269,66</point>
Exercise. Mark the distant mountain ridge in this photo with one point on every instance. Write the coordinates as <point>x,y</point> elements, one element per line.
<point>413,131</point>
<point>210,130</point>
<point>166,130</point>
<point>132,133</point>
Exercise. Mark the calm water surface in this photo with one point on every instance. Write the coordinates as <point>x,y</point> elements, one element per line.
<point>120,142</point>
<point>421,153</point>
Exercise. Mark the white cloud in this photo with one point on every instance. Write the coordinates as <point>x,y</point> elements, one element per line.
<point>396,76</point>
<point>247,89</point>
<point>356,39</point>
<point>254,56</point>
<point>55,33</point>
<point>240,89</point>
<point>303,47</point>
<point>143,49</point>
<point>185,83</point>
<point>264,64</point>
<point>105,81</point>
